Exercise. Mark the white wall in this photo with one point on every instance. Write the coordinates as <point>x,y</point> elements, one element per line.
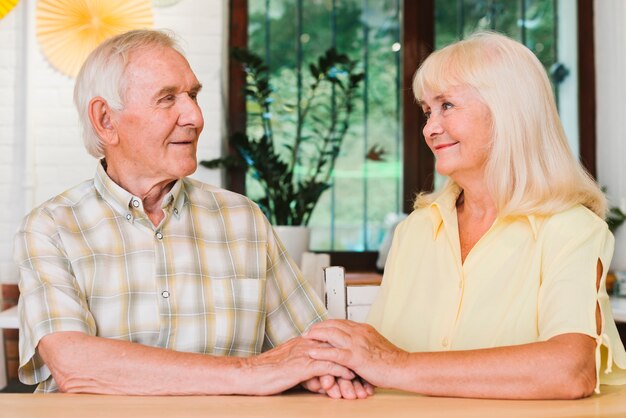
<point>41,151</point>
<point>10,121</point>
<point>610,49</point>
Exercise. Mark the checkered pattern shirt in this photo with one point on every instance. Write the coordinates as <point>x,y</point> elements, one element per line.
<point>211,278</point>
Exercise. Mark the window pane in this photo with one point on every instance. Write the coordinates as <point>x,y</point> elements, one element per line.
<point>289,35</point>
<point>532,22</point>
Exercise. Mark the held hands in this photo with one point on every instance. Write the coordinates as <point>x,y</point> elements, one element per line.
<point>289,364</point>
<point>325,359</point>
<point>358,347</point>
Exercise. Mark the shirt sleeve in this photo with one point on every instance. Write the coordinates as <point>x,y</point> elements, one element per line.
<point>50,297</point>
<point>569,297</point>
<point>292,306</point>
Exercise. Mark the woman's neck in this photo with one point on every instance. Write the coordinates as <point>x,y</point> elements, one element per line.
<point>476,212</point>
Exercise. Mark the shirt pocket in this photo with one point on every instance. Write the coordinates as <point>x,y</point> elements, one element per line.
<point>239,316</point>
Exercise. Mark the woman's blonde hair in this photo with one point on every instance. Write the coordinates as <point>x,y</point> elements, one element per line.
<point>530,169</point>
<point>103,75</point>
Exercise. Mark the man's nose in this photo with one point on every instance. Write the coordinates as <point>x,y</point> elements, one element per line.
<point>190,112</point>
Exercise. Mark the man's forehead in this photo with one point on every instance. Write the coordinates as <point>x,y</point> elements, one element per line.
<point>150,54</point>
<point>163,63</point>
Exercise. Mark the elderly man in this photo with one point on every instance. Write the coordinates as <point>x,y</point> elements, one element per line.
<point>142,281</point>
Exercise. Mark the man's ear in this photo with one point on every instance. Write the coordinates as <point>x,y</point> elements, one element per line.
<point>100,117</point>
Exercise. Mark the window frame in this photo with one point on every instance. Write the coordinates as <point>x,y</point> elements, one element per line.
<point>418,39</point>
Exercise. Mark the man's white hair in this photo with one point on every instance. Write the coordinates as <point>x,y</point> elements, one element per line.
<point>103,75</point>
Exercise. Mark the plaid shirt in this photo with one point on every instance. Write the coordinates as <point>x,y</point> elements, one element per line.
<point>211,278</point>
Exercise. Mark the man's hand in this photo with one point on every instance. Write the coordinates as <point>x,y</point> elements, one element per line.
<point>288,365</point>
<point>85,364</point>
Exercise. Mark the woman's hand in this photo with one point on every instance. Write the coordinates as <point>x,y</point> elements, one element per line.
<point>561,368</point>
<point>338,388</point>
<point>358,347</point>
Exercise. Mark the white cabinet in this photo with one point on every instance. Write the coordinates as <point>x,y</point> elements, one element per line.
<point>359,300</point>
<point>349,297</point>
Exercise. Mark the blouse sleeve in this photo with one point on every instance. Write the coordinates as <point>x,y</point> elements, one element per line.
<point>573,242</point>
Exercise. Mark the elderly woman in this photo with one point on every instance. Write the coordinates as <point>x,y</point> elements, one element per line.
<point>495,285</point>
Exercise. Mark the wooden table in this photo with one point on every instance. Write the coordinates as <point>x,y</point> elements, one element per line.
<point>610,403</point>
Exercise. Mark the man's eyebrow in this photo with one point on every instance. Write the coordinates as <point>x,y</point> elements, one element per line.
<point>173,90</point>
<point>165,91</point>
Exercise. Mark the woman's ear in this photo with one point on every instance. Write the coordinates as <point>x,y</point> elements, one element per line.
<point>100,117</point>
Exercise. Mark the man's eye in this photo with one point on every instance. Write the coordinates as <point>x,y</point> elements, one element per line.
<point>427,115</point>
<point>167,99</point>
<point>194,96</point>
<point>447,105</point>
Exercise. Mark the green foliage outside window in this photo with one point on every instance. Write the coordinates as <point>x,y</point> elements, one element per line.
<point>351,215</point>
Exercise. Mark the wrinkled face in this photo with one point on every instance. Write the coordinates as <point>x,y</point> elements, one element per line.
<point>158,127</point>
<point>458,131</point>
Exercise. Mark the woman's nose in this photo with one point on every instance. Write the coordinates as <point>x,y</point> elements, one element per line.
<point>432,127</point>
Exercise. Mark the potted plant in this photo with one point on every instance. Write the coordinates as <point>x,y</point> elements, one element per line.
<point>615,218</point>
<point>294,168</point>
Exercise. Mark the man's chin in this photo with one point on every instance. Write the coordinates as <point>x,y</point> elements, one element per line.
<point>186,168</point>
<point>190,171</point>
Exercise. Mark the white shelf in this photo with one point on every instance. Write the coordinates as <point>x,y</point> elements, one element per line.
<point>9,319</point>
<point>618,306</point>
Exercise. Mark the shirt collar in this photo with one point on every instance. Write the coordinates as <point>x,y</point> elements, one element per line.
<point>176,198</point>
<point>125,202</point>
<point>443,212</point>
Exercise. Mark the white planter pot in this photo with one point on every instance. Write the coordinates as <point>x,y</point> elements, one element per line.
<point>295,239</point>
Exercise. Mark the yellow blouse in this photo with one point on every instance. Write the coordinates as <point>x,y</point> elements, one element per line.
<point>527,279</point>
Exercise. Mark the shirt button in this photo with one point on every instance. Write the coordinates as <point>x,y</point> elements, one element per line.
<point>135,203</point>
<point>159,235</point>
<point>129,216</point>
<point>165,294</point>
<point>444,342</point>
<point>175,211</point>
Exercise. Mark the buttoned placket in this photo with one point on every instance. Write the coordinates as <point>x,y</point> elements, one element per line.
<point>451,235</point>
<point>165,292</point>
<point>448,334</point>
<point>446,341</point>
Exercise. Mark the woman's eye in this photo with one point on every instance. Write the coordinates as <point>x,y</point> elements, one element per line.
<point>447,105</point>
<point>427,115</point>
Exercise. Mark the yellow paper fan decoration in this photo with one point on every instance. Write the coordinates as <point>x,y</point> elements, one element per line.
<point>6,6</point>
<point>68,30</point>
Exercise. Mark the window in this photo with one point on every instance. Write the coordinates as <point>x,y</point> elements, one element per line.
<point>391,38</point>
<point>367,186</point>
